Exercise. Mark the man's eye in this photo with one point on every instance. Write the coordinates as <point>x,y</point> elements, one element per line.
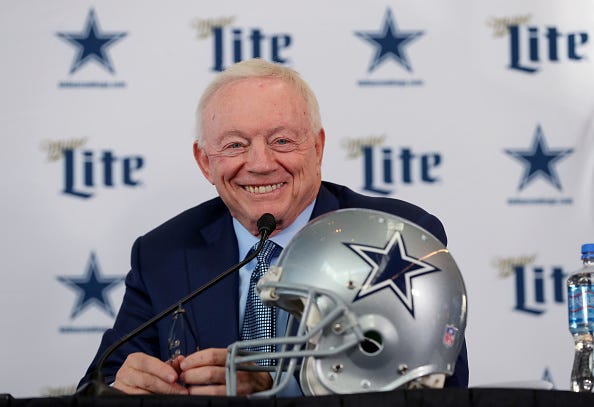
<point>283,141</point>
<point>283,144</point>
<point>232,149</point>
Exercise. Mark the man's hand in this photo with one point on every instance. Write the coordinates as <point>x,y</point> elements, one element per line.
<point>203,372</point>
<point>144,374</point>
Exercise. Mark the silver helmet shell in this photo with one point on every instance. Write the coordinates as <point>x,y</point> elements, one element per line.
<point>381,304</point>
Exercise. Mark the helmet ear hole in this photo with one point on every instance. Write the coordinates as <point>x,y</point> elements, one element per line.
<point>372,344</point>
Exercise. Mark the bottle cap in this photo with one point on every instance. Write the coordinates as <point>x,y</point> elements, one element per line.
<point>587,250</point>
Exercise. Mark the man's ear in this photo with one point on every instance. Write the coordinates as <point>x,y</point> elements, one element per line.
<point>203,162</point>
<point>320,141</point>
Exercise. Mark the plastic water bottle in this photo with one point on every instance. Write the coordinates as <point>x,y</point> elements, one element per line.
<point>580,301</point>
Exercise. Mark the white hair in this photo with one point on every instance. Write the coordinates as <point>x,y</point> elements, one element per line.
<point>258,68</point>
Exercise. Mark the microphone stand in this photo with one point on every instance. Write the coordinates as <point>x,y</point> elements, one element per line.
<point>96,385</point>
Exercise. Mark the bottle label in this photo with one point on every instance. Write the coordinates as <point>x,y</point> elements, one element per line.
<point>580,301</point>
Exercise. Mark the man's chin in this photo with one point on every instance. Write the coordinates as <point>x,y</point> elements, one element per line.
<point>279,218</point>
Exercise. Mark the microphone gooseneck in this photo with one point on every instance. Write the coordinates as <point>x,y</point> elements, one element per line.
<point>96,385</point>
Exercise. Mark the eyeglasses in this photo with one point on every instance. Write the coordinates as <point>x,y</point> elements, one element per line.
<point>177,345</point>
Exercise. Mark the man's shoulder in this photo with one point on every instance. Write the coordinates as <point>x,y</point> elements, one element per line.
<point>351,199</point>
<point>191,220</point>
<point>347,198</point>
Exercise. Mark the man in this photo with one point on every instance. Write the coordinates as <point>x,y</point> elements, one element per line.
<point>260,143</point>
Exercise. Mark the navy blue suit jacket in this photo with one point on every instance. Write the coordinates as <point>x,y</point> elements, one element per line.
<point>192,248</point>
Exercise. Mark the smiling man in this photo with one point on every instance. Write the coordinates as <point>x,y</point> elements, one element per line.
<point>260,142</point>
<point>260,149</point>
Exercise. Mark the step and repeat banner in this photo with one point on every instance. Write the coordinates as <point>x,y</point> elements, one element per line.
<point>479,111</point>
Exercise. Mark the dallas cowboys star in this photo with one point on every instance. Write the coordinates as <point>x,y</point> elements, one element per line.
<point>91,288</point>
<point>390,42</point>
<point>538,160</point>
<point>392,268</point>
<point>91,44</point>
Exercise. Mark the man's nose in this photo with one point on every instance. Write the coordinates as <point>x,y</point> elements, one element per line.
<point>260,156</point>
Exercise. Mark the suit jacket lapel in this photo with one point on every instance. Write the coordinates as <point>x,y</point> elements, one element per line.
<point>215,313</point>
<point>325,202</point>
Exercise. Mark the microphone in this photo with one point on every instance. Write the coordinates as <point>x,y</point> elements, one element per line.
<point>96,385</point>
<point>266,225</point>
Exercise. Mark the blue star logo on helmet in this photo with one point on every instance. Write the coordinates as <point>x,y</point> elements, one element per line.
<point>390,42</point>
<point>392,268</point>
<point>91,44</point>
<point>539,160</point>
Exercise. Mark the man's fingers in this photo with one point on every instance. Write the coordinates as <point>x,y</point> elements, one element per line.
<point>206,375</point>
<point>247,383</point>
<point>206,357</point>
<point>142,374</point>
<point>218,390</point>
<point>151,365</point>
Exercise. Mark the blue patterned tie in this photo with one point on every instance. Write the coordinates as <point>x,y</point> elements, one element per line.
<point>259,321</point>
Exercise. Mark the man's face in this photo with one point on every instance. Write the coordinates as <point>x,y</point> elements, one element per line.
<point>259,150</point>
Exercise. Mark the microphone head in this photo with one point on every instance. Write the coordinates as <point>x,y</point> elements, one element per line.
<point>266,223</point>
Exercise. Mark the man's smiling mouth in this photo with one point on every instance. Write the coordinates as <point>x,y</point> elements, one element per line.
<point>262,189</point>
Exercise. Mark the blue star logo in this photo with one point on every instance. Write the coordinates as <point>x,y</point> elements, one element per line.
<point>391,268</point>
<point>548,377</point>
<point>539,160</point>
<point>91,288</point>
<point>390,42</point>
<point>91,44</point>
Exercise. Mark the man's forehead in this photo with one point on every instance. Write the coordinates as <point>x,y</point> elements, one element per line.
<point>263,82</point>
<point>234,99</point>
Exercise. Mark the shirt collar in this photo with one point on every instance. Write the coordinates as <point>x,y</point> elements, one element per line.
<point>246,240</point>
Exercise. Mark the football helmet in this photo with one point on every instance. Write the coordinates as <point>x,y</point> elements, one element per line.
<point>375,301</point>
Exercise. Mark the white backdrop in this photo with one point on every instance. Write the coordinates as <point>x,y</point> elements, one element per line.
<point>436,102</point>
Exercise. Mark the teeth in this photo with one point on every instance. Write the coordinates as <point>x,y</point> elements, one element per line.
<point>262,189</point>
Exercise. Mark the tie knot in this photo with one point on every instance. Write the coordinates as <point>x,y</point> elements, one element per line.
<point>269,250</point>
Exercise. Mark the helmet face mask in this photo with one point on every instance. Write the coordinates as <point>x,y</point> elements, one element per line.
<point>376,303</point>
